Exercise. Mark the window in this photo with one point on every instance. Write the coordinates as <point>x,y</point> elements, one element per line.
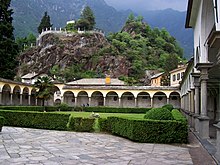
<point>182,75</point>
<point>160,98</point>
<point>174,77</point>
<point>144,97</point>
<point>178,76</point>
<point>130,98</point>
<point>174,98</point>
<point>115,98</point>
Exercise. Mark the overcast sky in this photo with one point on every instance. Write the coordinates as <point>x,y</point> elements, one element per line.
<point>142,5</point>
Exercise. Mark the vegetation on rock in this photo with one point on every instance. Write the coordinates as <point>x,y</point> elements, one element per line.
<point>45,23</point>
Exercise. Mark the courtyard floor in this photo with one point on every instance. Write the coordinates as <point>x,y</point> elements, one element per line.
<point>19,146</point>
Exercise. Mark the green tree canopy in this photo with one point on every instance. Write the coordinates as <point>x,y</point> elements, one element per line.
<point>45,23</point>
<point>45,88</point>
<point>87,19</point>
<point>8,47</point>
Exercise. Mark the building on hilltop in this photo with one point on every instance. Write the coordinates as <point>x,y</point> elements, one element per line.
<point>156,79</point>
<point>200,87</point>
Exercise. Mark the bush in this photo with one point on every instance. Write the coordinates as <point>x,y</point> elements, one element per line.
<point>168,106</point>
<point>81,124</point>
<point>40,120</point>
<point>2,119</point>
<point>64,107</point>
<point>104,125</point>
<point>159,114</point>
<point>149,131</point>
<point>115,110</point>
<point>23,108</point>
<point>177,115</point>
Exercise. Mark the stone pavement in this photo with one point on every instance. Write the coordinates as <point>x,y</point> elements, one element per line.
<point>33,146</point>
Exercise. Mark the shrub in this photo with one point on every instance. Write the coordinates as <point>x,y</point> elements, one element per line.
<point>177,115</point>
<point>81,124</point>
<point>23,108</point>
<point>104,125</point>
<point>2,119</point>
<point>64,107</point>
<point>36,119</point>
<point>159,114</point>
<point>149,131</point>
<point>168,106</point>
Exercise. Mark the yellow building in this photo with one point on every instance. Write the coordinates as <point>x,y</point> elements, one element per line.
<point>176,75</point>
<point>156,80</point>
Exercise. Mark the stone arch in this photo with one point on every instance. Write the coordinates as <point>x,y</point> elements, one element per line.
<point>6,94</point>
<point>159,99</point>
<point>97,99</point>
<point>57,102</point>
<point>143,100</point>
<point>127,99</point>
<point>112,99</point>
<point>82,98</point>
<point>16,95</point>
<point>69,98</point>
<point>174,99</point>
<point>33,97</point>
<point>25,95</point>
<point>56,95</point>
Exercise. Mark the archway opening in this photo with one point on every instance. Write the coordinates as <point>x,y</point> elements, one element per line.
<point>97,99</point>
<point>112,99</point>
<point>143,100</point>
<point>82,99</point>
<point>159,99</point>
<point>127,100</point>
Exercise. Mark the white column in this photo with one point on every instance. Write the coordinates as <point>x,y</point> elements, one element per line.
<point>29,99</point>
<point>168,100</point>
<point>119,101</point>
<point>152,102</point>
<point>11,98</point>
<point>89,101</point>
<point>104,101</point>
<point>135,102</point>
<point>75,101</point>
<point>21,99</point>
<point>0,98</point>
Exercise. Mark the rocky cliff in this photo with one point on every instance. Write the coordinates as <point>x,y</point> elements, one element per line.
<point>73,49</point>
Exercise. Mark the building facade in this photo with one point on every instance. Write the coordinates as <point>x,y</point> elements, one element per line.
<point>200,88</point>
<point>91,92</point>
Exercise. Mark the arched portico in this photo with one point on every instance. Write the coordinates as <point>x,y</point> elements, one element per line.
<point>143,100</point>
<point>112,99</point>
<point>6,95</point>
<point>128,100</point>
<point>97,99</point>
<point>69,98</point>
<point>16,96</point>
<point>82,99</point>
<point>25,96</point>
<point>174,99</point>
<point>159,99</point>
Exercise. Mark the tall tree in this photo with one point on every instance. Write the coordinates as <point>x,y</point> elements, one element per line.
<point>8,47</point>
<point>87,14</point>
<point>45,23</point>
<point>45,88</point>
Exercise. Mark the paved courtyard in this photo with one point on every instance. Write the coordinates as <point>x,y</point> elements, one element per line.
<point>34,146</point>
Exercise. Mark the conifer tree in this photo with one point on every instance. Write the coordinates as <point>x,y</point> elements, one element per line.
<point>88,15</point>
<point>8,47</point>
<point>45,23</point>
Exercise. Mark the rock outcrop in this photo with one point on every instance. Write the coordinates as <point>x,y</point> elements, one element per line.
<point>65,50</point>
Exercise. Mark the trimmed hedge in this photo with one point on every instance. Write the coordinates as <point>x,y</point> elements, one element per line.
<point>80,124</point>
<point>40,120</point>
<point>159,114</point>
<point>149,131</point>
<point>2,120</point>
<point>104,125</point>
<point>177,115</point>
<point>168,106</point>
<point>115,110</point>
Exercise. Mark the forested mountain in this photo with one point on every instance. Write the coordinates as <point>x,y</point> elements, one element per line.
<point>27,15</point>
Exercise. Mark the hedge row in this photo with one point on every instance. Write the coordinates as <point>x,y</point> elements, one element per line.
<point>35,119</point>
<point>115,110</point>
<point>80,124</point>
<point>2,119</point>
<point>37,108</point>
<point>147,131</point>
<point>177,115</point>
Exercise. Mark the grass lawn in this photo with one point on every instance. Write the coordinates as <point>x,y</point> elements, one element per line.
<point>105,115</point>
